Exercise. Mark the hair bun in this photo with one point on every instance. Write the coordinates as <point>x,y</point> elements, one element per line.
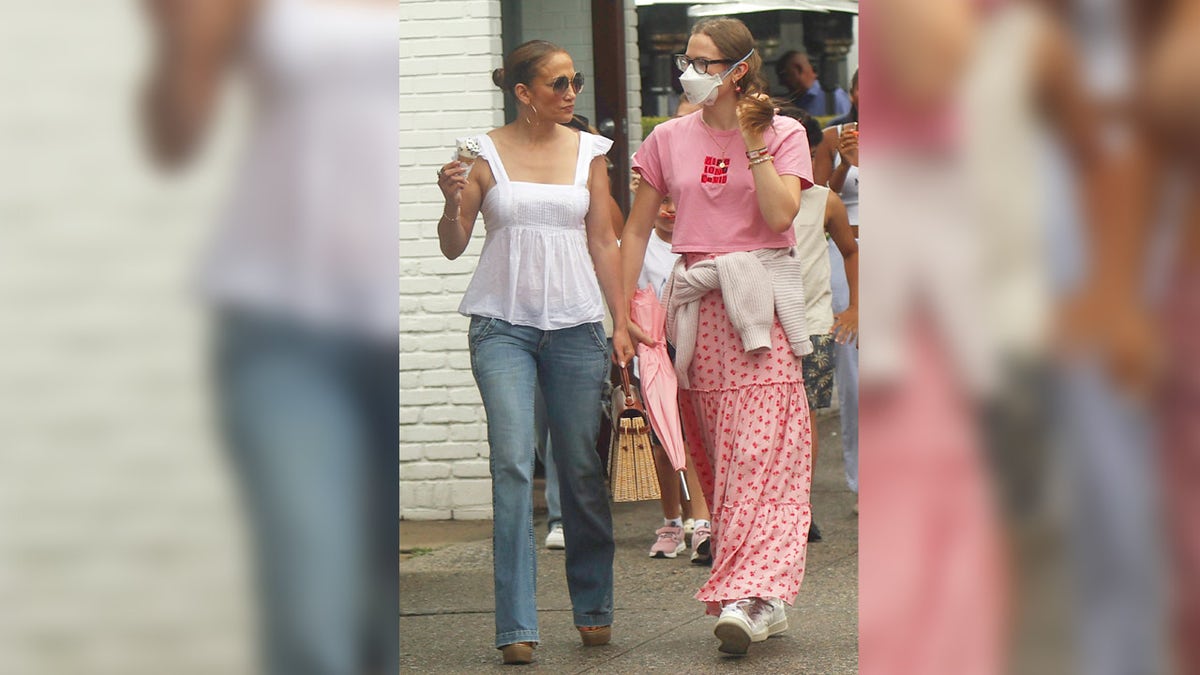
<point>498,78</point>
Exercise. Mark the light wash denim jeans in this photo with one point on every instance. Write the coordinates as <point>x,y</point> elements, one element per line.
<point>570,364</point>
<point>846,370</point>
<point>541,432</point>
<point>310,421</point>
<point>1112,486</point>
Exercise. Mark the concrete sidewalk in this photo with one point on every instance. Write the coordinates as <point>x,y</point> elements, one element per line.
<point>446,600</point>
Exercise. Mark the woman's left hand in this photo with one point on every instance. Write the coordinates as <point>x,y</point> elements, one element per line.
<point>623,349</point>
<point>845,326</point>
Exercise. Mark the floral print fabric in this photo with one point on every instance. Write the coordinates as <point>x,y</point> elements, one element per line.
<point>818,372</point>
<point>747,418</point>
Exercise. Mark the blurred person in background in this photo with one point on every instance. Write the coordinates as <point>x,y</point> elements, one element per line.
<point>822,223</point>
<point>852,115</point>
<point>1101,438</point>
<point>1162,348</point>
<point>831,165</point>
<point>804,90</point>
<point>735,170</point>
<point>835,164</point>
<point>1041,112</point>
<point>991,93</point>
<point>681,518</point>
<point>536,311</point>
<point>303,303</point>
<point>932,582</point>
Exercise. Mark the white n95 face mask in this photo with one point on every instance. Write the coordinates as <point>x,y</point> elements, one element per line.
<point>701,89</point>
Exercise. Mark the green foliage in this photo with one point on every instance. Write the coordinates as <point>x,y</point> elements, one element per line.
<point>648,124</point>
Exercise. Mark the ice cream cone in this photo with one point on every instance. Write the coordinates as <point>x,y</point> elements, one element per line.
<point>466,151</point>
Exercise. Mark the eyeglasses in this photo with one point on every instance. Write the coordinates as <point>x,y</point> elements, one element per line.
<point>701,64</point>
<point>561,83</point>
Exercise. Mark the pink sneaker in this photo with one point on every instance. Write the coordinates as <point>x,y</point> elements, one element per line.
<point>669,544</point>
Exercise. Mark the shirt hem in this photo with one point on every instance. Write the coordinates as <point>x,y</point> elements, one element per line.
<point>583,322</point>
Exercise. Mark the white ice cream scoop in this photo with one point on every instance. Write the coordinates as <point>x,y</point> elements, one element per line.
<point>465,151</point>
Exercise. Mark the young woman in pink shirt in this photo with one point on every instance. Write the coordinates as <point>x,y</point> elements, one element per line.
<point>735,171</point>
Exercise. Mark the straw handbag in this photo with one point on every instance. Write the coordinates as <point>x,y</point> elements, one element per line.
<point>631,473</point>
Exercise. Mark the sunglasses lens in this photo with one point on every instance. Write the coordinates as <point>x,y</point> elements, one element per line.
<point>577,83</point>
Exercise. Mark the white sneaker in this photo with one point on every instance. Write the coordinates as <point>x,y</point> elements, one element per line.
<point>741,623</point>
<point>776,616</point>
<point>555,540</point>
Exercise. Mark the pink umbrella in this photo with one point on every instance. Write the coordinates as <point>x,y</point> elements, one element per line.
<point>660,387</point>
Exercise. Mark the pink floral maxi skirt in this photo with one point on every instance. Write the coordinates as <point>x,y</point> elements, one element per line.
<point>746,419</point>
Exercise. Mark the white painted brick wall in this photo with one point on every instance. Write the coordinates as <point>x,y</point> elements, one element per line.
<point>447,53</point>
<point>633,76</point>
<point>120,541</point>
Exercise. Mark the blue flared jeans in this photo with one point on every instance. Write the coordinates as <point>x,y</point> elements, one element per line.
<point>570,364</point>
<point>309,420</point>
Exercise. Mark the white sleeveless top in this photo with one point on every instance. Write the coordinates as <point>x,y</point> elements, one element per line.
<point>657,265</point>
<point>849,192</point>
<point>535,269</point>
<point>314,206</point>
<point>813,252</point>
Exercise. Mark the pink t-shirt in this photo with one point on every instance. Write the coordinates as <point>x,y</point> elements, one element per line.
<point>716,210</point>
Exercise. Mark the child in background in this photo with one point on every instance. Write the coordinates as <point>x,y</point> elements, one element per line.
<point>670,537</point>
<point>823,215</point>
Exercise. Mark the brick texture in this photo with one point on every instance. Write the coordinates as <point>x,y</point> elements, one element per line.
<point>447,53</point>
<point>120,538</point>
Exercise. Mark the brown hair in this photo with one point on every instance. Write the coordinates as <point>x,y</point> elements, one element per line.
<point>522,63</point>
<point>734,41</point>
<point>811,126</point>
<point>785,59</point>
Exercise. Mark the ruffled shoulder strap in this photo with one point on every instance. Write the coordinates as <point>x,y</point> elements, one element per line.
<point>487,150</point>
<point>600,145</point>
<point>591,146</point>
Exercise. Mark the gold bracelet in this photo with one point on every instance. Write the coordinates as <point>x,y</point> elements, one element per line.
<point>446,218</point>
<point>760,160</point>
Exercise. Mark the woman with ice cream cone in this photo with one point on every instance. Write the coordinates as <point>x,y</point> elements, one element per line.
<point>536,307</point>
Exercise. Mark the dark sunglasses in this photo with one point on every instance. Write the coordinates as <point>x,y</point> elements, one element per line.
<point>682,62</point>
<point>561,83</point>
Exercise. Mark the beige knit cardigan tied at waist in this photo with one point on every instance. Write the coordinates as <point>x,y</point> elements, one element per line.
<point>756,286</point>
